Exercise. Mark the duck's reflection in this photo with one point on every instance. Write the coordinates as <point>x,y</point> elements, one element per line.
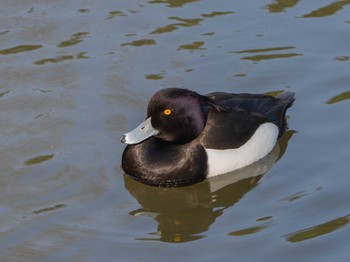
<point>184,213</point>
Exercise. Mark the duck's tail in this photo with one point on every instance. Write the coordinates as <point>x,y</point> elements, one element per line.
<point>284,101</point>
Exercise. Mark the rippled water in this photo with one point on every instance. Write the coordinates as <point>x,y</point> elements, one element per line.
<point>75,75</point>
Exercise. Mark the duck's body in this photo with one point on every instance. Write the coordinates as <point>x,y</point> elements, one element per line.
<point>188,137</point>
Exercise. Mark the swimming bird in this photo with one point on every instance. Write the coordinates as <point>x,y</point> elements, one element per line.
<point>187,137</point>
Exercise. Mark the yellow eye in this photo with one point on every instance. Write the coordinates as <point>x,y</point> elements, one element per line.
<point>167,112</point>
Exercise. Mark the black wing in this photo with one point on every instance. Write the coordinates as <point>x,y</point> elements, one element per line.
<point>243,114</point>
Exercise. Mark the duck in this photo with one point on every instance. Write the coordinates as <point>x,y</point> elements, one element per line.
<point>187,137</point>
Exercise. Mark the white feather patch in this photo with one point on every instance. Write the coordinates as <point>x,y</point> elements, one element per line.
<point>258,146</point>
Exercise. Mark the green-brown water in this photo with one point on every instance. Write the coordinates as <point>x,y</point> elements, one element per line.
<point>75,75</point>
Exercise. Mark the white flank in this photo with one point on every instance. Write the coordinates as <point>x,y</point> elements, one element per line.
<point>258,146</point>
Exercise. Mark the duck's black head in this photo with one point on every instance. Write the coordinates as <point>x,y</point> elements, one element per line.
<point>179,115</point>
<point>175,115</point>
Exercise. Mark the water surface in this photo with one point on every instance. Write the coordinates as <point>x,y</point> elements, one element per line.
<point>75,75</point>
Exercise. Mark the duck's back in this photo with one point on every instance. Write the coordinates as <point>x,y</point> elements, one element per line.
<point>243,115</point>
<point>257,105</point>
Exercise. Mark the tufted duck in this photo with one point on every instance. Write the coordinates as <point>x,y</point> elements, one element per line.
<point>188,137</point>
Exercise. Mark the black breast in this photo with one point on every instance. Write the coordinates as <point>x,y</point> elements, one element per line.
<point>159,163</point>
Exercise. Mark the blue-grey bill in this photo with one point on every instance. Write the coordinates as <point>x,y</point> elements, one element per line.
<point>140,133</point>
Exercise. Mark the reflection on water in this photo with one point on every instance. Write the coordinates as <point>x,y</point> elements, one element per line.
<point>38,159</point>
<point>328,10</point>
<point>331,9</point>
<point>319,230</point>
<point>174,26</point>
<point>338,98</point>
<point>155,76</point>
<point>217,13</point>
<point>48,209</point>
<point>4,93</point>
<point>186,22</point>
<point>248,231</point>
<point>141,42</point>
<point>343,58</point>
<point>197,45</point>
<point>268,57</point>
<point>280,5</point>
<point>58,59</point>
<point>260,57</point>
<point>264,49</point>
<point>75,39</point>
<point>112,14</point>
<point>4,32</point>
<point>19,49</point>
<point>295,196</point>
<point>185,214</point>
<point>173,3</point>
